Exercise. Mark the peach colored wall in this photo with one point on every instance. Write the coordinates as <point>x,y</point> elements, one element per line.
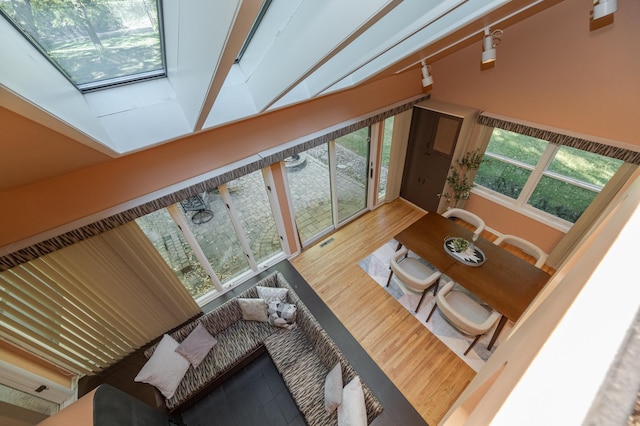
<point>47,204</point>
<point>550,70</point>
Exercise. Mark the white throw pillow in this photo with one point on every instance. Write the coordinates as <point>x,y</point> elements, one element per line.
<point>272,294</point>
<point>333,389</point>
<point>197,345</point>
<point>352,410</point>
<point>253,309</point>
<point>165,369</point>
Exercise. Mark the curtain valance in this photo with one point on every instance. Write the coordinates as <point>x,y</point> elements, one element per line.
<point>623,154</point>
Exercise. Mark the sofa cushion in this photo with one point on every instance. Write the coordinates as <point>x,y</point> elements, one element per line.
<point>333,389</point>
<point>234,344</point>
<point>253,309</point>
<point>286,346</point>
<point>165,369</point>
<point>272,294</point>
<point>197,345</point>
<point>352,411</point>
<point>305,381</point>
<point>282,314</point>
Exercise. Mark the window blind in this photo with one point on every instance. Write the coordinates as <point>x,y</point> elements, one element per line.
<point>88,305</point>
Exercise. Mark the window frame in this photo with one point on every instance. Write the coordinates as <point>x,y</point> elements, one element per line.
<point>106,83</point>
<point>521,204</point>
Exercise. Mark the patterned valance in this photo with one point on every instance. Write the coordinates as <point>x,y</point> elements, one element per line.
<point>33,252</point>
<point>623,154</point>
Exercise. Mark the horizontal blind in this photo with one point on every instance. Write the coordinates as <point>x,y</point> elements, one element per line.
<point>87,306</point>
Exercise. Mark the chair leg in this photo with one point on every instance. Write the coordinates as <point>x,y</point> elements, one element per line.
<point>473,343</point>
<point>421,299</point>
<point>432,311</point>
<point>390,275</point>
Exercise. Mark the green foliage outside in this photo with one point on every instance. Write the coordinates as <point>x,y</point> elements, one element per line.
<point>92,40</point>
<point>551,195</point>
<point>353,141</point>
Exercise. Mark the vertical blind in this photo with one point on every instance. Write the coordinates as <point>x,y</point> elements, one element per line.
<point>88,305</point>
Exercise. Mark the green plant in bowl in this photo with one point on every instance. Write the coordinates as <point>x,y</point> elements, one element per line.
<point>459,244</point>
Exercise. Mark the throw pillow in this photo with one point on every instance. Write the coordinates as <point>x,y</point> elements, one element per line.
<point>282,314</point>
<point>253,309</point>
<point>165,369</point>
<point>272,294</point>
<point>352,411</point>
<point>197,345</point>
<point>333,389</point>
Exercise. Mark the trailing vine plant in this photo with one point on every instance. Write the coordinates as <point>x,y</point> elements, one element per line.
<point>459,180</point>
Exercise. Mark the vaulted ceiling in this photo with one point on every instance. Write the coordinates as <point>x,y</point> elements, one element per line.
<point>301,50</point>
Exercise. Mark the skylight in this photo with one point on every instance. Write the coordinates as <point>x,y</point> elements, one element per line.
<point>94,43</point>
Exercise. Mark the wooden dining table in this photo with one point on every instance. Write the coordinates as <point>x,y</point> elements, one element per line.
<point>505,282</point>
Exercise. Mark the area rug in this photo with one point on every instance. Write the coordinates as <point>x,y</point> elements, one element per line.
<point>377,266</point>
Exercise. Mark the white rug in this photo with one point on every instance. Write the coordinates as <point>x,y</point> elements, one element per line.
<point>377,266</point>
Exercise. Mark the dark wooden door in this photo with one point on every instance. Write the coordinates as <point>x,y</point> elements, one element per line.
<point>432,141</point>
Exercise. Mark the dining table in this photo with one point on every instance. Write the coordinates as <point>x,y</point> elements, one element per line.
<point>504,281</point>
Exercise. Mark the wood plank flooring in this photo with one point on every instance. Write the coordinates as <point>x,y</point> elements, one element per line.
<point>428,374</point>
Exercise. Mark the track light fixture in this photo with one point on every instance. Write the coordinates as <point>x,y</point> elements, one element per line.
<point>602,8</point>
<point>491,40</point>
<point>427,80</point>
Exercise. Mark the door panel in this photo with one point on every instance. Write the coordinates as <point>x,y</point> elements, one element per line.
<point>432,141</point>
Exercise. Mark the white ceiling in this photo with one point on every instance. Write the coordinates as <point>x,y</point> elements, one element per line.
<point>302,49</point>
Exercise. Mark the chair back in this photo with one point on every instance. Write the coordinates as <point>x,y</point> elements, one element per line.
<point>468,217</point>
<point>526,246</point>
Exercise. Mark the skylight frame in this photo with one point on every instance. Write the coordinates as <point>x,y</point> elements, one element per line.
<point>107,82</point>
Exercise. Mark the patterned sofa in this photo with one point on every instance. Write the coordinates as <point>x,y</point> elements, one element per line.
<point>303,356</point>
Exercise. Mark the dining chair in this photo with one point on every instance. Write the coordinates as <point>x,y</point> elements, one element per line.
<point>464,313</point>
<point>467,216</point>
<point>414,276</point>
<point>526,246</point>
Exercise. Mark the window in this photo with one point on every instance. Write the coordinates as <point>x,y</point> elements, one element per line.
<point>94,43</point>
<point>532,173</point>
<point>215,251</point>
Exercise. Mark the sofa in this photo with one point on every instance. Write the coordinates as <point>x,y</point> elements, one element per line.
<point>303,355</point>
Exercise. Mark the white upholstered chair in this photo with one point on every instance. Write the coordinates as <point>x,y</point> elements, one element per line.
<point>528,247</point>
<point>464,313</point>
<point>413,275</point>
<point>467,216</point>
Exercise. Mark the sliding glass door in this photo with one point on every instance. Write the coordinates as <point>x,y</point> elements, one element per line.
<point>328,184</point>
<point>351,174</point>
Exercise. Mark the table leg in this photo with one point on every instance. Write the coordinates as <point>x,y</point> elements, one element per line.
<point>501,323</point>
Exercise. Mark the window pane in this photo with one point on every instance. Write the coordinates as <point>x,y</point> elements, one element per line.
<point>218,239</point>
<point>308,177</point>
<point>252,205</point>
<point>384,160</point>
<point>166,237</point>
<point>561,199</point>
<point>501,177</point>
<point>93,42</point>
<point>584,166</point>
<point>352,165</point>
<point>518,147</point>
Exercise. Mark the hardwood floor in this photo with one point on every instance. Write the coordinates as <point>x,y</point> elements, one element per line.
<point>429,375</point>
